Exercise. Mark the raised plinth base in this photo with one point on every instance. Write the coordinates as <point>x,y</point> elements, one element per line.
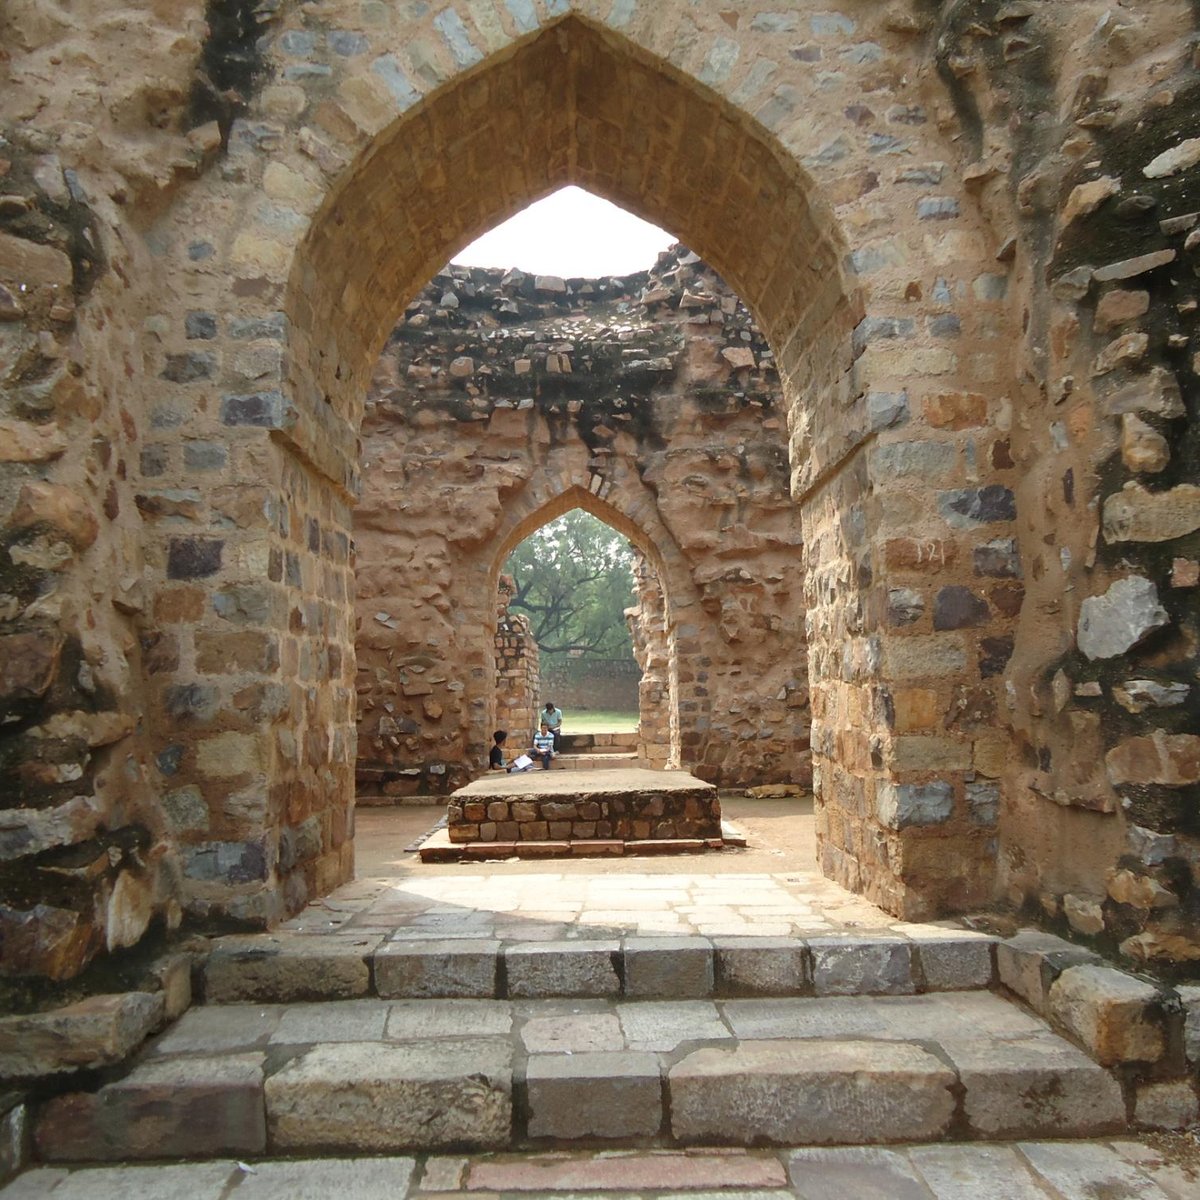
<point>595,811</point>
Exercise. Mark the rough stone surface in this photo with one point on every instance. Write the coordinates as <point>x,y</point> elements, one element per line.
<point>367,1097</point>
<point>463,967</point>
<point>1017,1087</point>
<point>96,1032</point>
<point>810,1092</point>
<point>671,967</point>
<point>171,1108</point>
<point>562,969</point>
<point>288,968</point>
<point>1116,1017</point>
<point>196,284</point>
<point>843,967</point>
<point>1167,1105</point>
<point>1119,619</point>
<point>749,966</point>
<point>594,1096</point>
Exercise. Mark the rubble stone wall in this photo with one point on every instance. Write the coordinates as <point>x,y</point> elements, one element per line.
<point>658,719</point>
<point>1099,831</point>
<point>963,228</point>
<point>654,396</point>
<point>581,684</point>
<point>518,671</point>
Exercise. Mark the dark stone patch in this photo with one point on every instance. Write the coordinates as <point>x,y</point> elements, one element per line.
<point>191,700</point>
<point>194,557</point>
<point>994,654</point>
<point>200,326</point>
<point>168,760</point>
<point>904,606</point>
<point>959,608</point>
<point>190,367</point>
<point>204,456</point>
<point>998,559</point>
<point>262,409</point>
<point>963,507</point>
<point>154,460</point>
<point>874,329</point>
<point>233,63</point>
<point>230,862</point>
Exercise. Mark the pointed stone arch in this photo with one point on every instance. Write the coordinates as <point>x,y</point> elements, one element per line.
<point>580,103</point>
<point>629,514</point>
<point>853,235</point>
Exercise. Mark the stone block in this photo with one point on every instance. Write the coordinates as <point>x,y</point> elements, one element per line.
<point>1117,1018</point>
<point>1031,961</point>
<point>575,968</point>
<point>754,966</point>
<point>1190,995</point>
<point>465,967</point>
<point>96,1032</point>
<point>667,1024</point>
<point>810,1092</point>
<point>1120,618</point>
<point>862,966</point>
<point>671,967</point>
<point>364,1096</point>
<point>1167,1105</point>
<point>950,963</point>
<point>286,967</point>
<point>666,1172</point>
<point>14,1136</point>
<point>1039,1086</point>
<point>367,1178</point>
<point>166,1108</point>
<point>583,1096</point>
<point>855,1171</point>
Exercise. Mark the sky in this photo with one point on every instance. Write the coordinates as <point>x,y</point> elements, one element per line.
<point>569,233</point>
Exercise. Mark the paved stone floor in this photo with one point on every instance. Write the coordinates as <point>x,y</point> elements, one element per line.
<point>1119,1170</point>
<point>771,889</point>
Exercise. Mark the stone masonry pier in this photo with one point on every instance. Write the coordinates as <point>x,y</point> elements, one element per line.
<point>585,812</point>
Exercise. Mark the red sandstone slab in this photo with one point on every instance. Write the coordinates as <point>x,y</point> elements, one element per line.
<point>667,846</point>
<point>649,1171</point>
<point>440,849</point>
<point>542,849</point>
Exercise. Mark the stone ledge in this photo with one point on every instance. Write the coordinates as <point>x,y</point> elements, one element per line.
<point>606,964</point>
<point>97,1032</point>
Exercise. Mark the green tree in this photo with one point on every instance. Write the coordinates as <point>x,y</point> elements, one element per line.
<point>574,581</point>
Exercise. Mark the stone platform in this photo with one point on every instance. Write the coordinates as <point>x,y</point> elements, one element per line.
<point>584,811</point>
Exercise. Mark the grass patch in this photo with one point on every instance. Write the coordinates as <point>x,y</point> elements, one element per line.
<point>599,721</point>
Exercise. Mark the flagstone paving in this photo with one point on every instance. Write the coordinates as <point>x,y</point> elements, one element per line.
<point>1117,1170</point>
<point>458,903</point>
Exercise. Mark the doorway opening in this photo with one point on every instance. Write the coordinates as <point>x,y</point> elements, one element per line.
<point>568,619</point>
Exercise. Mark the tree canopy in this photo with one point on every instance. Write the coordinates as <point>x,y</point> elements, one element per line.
<point>574,581</point>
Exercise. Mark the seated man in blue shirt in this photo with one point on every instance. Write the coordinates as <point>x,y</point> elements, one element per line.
<point>543,746</point>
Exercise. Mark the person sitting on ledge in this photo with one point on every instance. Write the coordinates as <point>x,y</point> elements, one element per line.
<point>552,719</point>
<point>543,746</point>
<point>496,754</point>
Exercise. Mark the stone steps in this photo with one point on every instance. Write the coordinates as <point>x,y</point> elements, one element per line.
<point>285,967</point>
<point>374,1076</point>
<point>596,760</point>
<point>964,1171</point>
<point>583,743</point>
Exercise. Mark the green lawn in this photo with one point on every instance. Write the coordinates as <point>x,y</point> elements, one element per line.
<point>595,721</point>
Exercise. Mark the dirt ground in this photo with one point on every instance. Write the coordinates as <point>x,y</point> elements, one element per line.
<point>780,833</point>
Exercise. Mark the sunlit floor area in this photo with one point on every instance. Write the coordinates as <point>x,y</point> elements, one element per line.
<point>780,834</point>
<point>772,888</point>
